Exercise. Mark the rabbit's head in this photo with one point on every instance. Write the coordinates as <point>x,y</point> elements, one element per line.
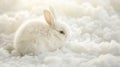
<point>57,29</point>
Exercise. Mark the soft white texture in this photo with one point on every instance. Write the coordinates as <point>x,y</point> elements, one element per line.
<point>95,40</point>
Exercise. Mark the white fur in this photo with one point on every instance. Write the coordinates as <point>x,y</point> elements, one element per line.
<point>36,36</point>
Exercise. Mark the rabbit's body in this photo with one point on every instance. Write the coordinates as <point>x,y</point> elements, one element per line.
<point>36,36</point>
<point>30,37</point>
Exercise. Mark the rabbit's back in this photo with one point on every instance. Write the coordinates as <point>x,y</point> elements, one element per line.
<point>29,35</point>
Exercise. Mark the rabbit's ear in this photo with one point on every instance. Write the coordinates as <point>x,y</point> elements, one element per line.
<point>49,17</point>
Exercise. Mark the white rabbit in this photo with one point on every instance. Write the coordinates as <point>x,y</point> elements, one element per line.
<point>36,36</point>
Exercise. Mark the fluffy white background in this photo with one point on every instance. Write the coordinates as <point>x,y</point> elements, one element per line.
<point>95,29</point>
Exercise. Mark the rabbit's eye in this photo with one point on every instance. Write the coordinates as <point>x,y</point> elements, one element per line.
<point>61,32</point>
